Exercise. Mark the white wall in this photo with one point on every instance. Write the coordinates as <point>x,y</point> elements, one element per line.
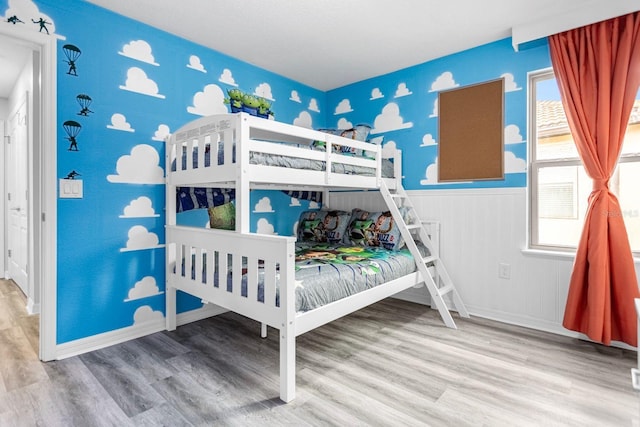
<point>4,110</point>
<point>479,230</point>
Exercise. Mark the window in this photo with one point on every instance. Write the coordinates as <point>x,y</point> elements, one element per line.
<point>559,186</point>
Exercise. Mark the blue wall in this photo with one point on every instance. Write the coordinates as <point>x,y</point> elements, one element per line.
<point>402,107</point>
<point>144,83</point>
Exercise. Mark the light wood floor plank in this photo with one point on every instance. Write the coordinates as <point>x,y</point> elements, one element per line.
<point>392,363</point>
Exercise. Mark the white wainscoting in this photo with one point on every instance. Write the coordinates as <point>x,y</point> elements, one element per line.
<point>479,229</point>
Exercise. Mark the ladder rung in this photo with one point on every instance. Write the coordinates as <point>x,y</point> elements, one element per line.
<point>445,289</point>
<point>414,226</point>
<point>428,259</point>
<point>399,196</point>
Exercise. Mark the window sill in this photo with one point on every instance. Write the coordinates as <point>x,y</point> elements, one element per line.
<point>560,255</point>
<point>542,253</point>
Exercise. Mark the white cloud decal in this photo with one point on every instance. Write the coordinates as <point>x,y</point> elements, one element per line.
<point>28,12</point>
<point>313,105</point>
<point>119,122</point>
<point>195,64</point>
<point>209,101</point>
<point>313,205</point>
<point>510,84</point>
<point>264,227</point>
<point>431,174</point>
<point>376,94</point>
<point>304,120</point>
<point>513,164</point>
<point>443,81</point>
<point>227,78</point>
<point>389,119</point>
<point>137,81</point>
<point>161,133</point>
<point>295,96</point>
<point>512,134</point>
<point>264,90</point>
<point>139,238</point>
<point>343,107</point>
<point>344,124</point>
<point>435,110</point>
<point>428,140</point>
<point>146,314</point>
<point>140,167</point>
<point>294,202</point>
<point>143,289</point>
<point>402,90</point>
<point>139,208</point>
<point>139,50</point>
<point>263,206</point>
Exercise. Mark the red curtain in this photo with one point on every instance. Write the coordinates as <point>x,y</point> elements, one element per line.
<point>598,72</point>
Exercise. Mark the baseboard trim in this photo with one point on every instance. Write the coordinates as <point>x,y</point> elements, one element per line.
<point>96,342</point>
<point>32,307</point>
<point>539,325</point>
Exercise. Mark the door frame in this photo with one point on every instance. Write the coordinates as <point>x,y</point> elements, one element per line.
<point>42,188</point>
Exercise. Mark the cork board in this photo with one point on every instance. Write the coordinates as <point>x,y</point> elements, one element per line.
<point>471,135</point>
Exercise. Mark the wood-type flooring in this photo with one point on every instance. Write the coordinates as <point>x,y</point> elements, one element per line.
<point>390,364</point>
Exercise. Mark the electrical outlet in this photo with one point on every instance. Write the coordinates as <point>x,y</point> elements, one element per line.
<point>504,271</point>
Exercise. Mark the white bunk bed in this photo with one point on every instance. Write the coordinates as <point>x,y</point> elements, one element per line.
<point>198,257</point>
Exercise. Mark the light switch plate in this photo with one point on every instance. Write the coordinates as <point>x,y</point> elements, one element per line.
<point>71,189</point>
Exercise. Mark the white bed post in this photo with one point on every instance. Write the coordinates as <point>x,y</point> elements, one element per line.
<point>170,220</point>
<point>287,330</point>
<point>263,330</point>
<point>243,202</point>
<point>170,308</point>
<point>397,168</point>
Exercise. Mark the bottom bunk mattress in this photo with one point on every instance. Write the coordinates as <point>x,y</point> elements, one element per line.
<point>327,273</point>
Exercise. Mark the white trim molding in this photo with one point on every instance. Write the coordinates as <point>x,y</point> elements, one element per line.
<point>43,187</point>
<point>588,13</point>
<point>107,339</point>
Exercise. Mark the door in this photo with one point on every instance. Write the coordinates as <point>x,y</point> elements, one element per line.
<point>17,197</point>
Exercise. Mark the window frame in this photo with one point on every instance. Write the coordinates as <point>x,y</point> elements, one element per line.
<point>535,165</point>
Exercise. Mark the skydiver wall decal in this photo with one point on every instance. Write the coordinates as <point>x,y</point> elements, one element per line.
<point>72,128</point>
<point>84,101</point>
<point>72,53</point>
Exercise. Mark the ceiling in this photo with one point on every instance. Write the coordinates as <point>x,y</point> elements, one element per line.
<point>331,43</point>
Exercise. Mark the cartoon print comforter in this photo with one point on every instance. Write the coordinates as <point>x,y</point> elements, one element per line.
<point>328,273</point>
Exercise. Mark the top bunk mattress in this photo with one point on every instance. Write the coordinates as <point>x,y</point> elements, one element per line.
<point>219,150</point>
<point>266,159</point>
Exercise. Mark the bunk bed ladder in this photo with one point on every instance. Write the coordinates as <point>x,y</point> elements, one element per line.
<point>438,283</point>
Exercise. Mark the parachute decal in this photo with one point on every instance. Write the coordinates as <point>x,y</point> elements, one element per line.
<point>84,101</point>
<point>72,53</point>
<point>72,128</point>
